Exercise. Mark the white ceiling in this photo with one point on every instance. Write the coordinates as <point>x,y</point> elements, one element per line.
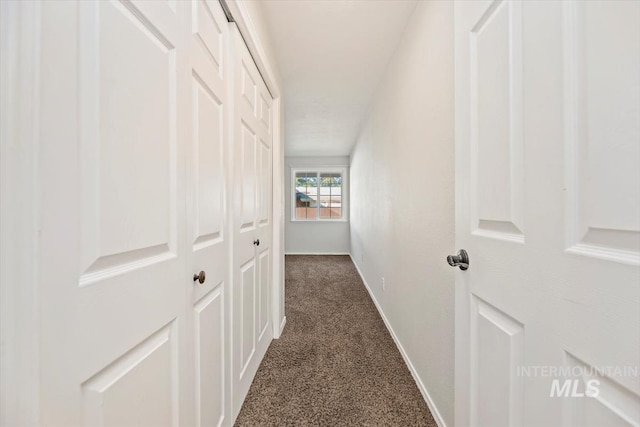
<point>332,55</point>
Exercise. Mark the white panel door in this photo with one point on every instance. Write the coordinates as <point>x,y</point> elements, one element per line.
<point>208,240</point>
<point>252,225</point>
<point>113,263</point>
<point>548,208</point>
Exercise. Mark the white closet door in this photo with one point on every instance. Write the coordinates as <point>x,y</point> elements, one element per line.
<point>252,224</point>
<point>208,240</point>
<point>112,276</point>
<point>548,208</point>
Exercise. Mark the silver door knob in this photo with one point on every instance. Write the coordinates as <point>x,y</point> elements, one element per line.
<point>460,260</point>
<point>200,277</point>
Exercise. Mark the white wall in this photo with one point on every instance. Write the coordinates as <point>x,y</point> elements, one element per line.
<point>402,200</point>
<point>311,236</point>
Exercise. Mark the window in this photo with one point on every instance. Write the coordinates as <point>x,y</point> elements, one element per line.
<point>318,194</point>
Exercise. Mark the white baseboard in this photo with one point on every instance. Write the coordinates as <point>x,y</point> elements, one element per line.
<point>423,390</point>
<point>317,253</point>
<point>284,322</point>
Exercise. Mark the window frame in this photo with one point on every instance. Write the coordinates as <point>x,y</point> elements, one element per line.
<point>343,193</point>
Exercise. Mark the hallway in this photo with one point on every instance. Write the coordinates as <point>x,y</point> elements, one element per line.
<point>448,190</point>
<point>335,363</point>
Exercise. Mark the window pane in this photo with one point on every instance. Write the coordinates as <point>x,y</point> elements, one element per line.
<point>306,195</point>
<point>330,196</point>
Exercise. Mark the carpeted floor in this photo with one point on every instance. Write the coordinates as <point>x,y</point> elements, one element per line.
<point>335,364</point>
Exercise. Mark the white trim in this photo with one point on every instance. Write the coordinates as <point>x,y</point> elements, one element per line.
<point>312,168</point>
<point>301,166</point>
<point>317,253</point>
<point>278,209</point>
<point>247,28</point>
<point>255,45</point>
<point>20,35</point>
<point>319,220</point>
<point>282,324</point>
<point>423,390</point>
<point>229,154</point>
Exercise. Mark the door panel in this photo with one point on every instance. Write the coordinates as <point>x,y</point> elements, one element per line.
<point>614,406</point>
<point>264,293</point>
<point>603,85</point>
<point>112,258</point>
<point>113,396</point>
<point>264,183</point>
<point>248,85</point>
<point>252,229</point>
<point>249,194</point>
<point>209,182</point>
<point>265,112</point>
<point>208,31</point>
<point>210,359</point>
<point>118,234</point>
<point>495,371</point>
<point>207,213</point>
<point>247,314</point>
<point>496,122</point>
<point>134,202</point>
<point>547,206</point>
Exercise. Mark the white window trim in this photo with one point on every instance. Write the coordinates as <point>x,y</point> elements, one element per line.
<point>344,192</point>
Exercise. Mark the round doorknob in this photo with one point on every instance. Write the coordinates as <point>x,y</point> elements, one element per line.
<point>200,277</point>
<point>256,242</point>
<point>461,260</point>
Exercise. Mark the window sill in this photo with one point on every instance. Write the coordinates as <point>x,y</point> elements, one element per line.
<point>319,220</point>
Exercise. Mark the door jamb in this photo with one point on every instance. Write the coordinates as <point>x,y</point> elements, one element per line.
<point>20,36</point>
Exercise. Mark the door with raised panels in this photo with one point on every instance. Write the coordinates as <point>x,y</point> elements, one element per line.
<point>113,279</point>
<point>208,241</point>
<point>135,237</point>
<point>252,225</point>
<point>548,209</point>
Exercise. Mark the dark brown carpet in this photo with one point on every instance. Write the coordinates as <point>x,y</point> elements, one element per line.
<point>335,363</point>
